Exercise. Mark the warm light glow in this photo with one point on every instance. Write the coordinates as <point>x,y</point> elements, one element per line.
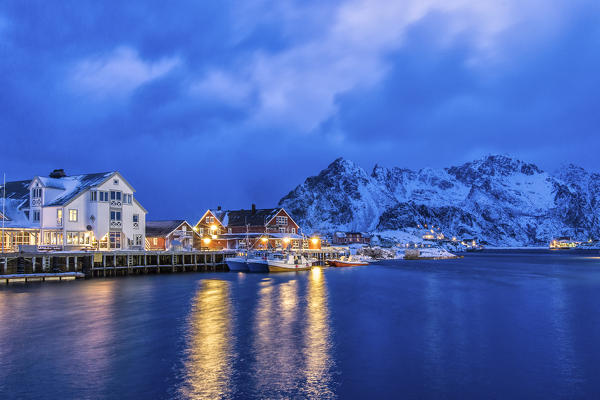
<point>213,227</point>
<point>286,240</point>
<point>195,228</point>
<point>206,240</point>
<point>314,240</point>
<point>264,240</point>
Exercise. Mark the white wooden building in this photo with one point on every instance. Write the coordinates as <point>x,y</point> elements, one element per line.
<point>90,211</point>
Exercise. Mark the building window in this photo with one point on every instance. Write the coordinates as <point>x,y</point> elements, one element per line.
<point>282,230</point>
<point>136,218</point>
<point>114,195</point>
<point>73,215</point>
<point>115,240</point>
<point>115,215</point>
<point>36,216</point>
<point>59,216</point>
<point>281,220</point>
<point>293,230</point>
<point>138,240</point>
<point>155,241</point>
<point>36,193</point>
<point>103,196</point>
<point>93,195</point>
<point>115,181</point>
<point>210,220</point>
<point>228,230</point>
<point>201,231</point>
<point>127,198</point>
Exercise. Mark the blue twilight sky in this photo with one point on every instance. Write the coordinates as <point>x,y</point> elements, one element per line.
<point>232,102</point>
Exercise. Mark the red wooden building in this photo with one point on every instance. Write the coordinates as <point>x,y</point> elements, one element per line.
<point>350,238</point>
<point>171,234</point>
<point>257,228</point>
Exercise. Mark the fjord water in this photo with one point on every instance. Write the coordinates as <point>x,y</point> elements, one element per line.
<point>492,325</point>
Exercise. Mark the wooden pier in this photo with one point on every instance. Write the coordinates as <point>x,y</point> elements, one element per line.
<point>112,263</point>
<point>43,264</point>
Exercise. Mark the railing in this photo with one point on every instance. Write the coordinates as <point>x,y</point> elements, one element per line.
<point>116,224</point>
<point>136,225</point>
<point>36,202</point>
<point>116,203</point>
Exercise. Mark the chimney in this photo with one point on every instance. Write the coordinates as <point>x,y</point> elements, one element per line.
<point>218,208</point>
<point>58,173</point>
<point>253,208</point>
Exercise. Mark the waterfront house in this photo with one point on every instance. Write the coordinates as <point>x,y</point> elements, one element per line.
<point>345,238</point>
<point>257,228</point>
<point>171,235</point>
<point>89,211</point>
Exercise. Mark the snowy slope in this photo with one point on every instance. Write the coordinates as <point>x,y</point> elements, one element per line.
<point>498,199</point>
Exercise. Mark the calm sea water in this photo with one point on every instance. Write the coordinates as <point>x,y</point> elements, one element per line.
<point>492,325</point>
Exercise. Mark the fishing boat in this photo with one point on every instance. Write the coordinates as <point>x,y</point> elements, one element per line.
<point>347,262</point>
<point>291,263</point>
<point>258,263</point>
<point>238,263</point>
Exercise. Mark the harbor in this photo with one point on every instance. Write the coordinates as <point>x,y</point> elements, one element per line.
<point>34,266</point>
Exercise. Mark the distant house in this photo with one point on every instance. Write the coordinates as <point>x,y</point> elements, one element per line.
<point>90,211</point>
<point>343,238</point>
<point>252,228</point>
<point>170,235</point>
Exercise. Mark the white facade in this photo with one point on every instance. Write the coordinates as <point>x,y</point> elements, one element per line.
<point>95,211</point>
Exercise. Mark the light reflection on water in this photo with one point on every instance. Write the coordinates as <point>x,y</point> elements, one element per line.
<point>290,341</point>
<point>208,363</point>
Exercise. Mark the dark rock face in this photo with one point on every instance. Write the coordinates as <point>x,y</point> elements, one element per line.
<point>498,199</point>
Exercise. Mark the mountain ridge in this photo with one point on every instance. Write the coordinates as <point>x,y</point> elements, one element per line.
<point>499,199</point>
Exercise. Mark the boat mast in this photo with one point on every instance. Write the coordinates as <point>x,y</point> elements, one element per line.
<point>3,208</point>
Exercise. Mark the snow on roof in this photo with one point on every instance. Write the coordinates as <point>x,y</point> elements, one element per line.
<point>162,228</point>
<point>76,184</point>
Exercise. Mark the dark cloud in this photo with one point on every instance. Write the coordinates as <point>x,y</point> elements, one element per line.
<point>189,127</point>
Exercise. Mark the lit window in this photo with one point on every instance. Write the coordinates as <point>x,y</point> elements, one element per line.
<point>59,216</point>
<point>73,215</point>
<point>155,241</point>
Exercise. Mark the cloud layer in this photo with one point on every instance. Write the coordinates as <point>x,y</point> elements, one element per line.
<point>236,102</point>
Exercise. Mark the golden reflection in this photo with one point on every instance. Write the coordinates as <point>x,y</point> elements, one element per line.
<point>208,365</point>
<point>292,339</point>
<point>317,340</point>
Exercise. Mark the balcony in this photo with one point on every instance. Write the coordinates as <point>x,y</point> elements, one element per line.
<point>116,224</point>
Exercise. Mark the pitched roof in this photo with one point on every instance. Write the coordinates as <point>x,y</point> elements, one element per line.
<point>162,228</point>
<point>76,184</point>
<point>246,217</point>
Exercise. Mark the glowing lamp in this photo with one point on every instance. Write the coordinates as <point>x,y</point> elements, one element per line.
<point>213,227</point>
<point>206,240</point>
<point>264,240</point>
<point>314,240</point>
<point>286,240</point>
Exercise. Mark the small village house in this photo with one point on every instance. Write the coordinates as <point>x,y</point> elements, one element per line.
<point>264,228</point>
<point>90,211</point>
<point>345,238</point>
<point>171,235</point>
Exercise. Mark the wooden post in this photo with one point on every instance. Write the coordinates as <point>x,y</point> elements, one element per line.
<point>67,261</point>
<point>33,264</point>
<point>75,264</point>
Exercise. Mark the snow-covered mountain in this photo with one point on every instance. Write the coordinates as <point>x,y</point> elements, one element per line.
<point>497,199</point>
